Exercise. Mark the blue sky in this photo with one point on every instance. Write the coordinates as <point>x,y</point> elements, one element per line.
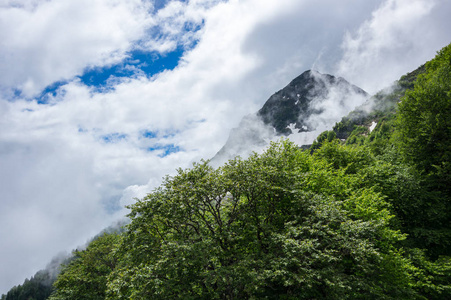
<point>137,63</point>
<point>99,100</point>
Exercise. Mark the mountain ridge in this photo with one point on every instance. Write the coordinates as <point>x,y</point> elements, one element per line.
<point>292,103</point>
<point>311,103</point>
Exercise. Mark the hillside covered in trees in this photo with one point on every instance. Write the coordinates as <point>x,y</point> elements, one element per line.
<point>362,214</point>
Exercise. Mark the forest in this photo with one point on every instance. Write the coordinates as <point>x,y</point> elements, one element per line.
<point>360,215</point>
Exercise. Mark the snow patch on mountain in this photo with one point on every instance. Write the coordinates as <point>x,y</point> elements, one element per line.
<point>372,126</point>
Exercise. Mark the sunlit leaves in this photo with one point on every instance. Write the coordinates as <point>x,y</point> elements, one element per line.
<point>281,224</point>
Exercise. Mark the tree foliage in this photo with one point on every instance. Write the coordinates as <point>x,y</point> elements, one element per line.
<point>283,225</point>
<point>85,276</point>
<point>424,139</point>
<point>38,287</point>
<point>424,120</point>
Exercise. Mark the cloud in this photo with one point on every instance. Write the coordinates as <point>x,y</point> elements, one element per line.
<point>176,24</point>
<point>47,41</point>
<point>71,163</point>
<point>328,108</point>
<point>400,36</point>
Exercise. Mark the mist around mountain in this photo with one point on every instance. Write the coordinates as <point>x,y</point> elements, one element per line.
<point>308,105</point>
<point>364,213</point>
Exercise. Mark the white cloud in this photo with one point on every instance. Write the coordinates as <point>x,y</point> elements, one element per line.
<point>170,25</point>
<point>59,173</point>
<point>399,37</point>
<point>47,41</point>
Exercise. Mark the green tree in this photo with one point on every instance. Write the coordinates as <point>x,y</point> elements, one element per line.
<point>281,225</point>
<point>326,136</point>
<point>424,138</point>
<point>85,277</point>
<point>37,287</point>
<point>424,121</point>
<point>418,212</point>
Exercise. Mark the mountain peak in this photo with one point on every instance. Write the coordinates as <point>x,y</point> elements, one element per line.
<point>293,104</point>
<point>310,103</point>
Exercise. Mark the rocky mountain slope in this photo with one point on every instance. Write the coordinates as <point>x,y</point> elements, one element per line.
<point>309,104</point>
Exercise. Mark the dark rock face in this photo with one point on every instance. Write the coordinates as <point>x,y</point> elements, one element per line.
<point>311,102</point>
<point>293,104</point>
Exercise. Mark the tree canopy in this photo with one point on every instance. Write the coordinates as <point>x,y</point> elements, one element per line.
<point>85,276</point>
<point>424,121</point>
<point>281,225</point>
